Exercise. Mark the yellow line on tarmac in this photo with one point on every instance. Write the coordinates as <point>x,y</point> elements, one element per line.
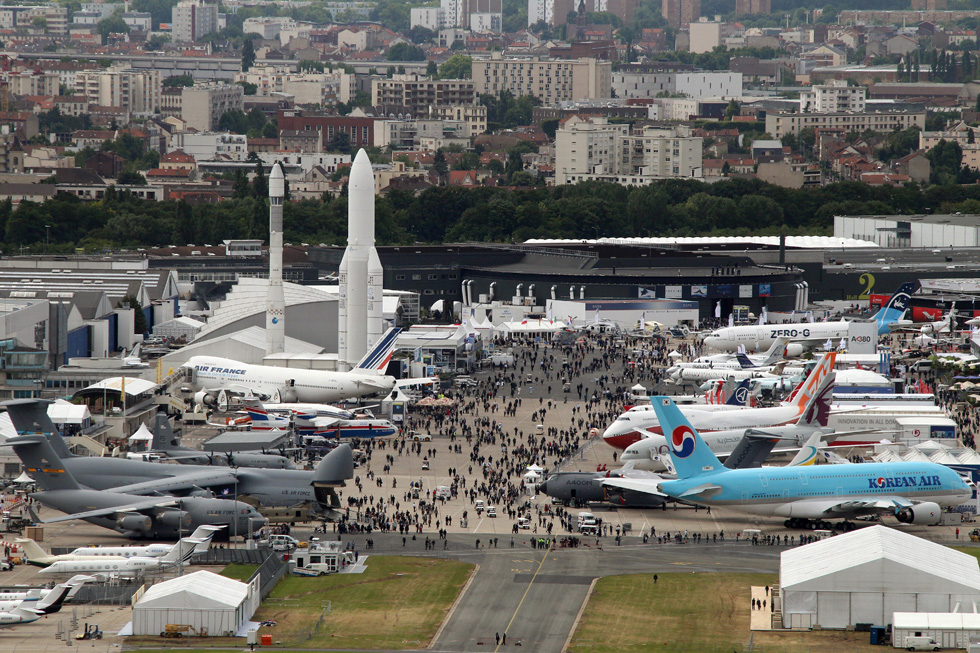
<point>518,609</point>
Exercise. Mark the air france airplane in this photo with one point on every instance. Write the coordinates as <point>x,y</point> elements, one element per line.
<point>213,378</point>
<point>807,333</point>
<point>914,492</point>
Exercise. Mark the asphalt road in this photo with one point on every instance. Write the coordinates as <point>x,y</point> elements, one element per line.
<point>535,595</point>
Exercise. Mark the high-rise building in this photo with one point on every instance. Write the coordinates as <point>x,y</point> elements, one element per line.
<point>139,91</point>
<point>591,149</point>
<point>193,19</point>
<point>551,81</point>
<point>837,96</point>
<point>743,7</point>
<point>678,13</point>
<point>202,106</point>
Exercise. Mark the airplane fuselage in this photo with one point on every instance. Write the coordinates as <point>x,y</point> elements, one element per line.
<point>761,337</point>
<point>283,384</point>
<point>808,492</point>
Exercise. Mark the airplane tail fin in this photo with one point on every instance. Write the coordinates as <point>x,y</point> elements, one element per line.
<point>42,462</point>
<point>204,532</point>
<point>377,359</point>
<point>689,453</point>
<point>775,352</point>
<point>895,307</point>
<point>32,550</point>
<point>180,551</point>
<point>808,453</point>
<point>817,411</point>
<point>744,361</point>
<point>30,416</point>
<point>813,382</point>
<point>163,435</point>
<point>740,395</point>
<point>52,602</point>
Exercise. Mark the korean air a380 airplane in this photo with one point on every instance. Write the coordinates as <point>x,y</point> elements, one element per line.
<point>914,492</point>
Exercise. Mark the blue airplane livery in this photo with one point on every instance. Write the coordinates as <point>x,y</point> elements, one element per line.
<point>913,492</point>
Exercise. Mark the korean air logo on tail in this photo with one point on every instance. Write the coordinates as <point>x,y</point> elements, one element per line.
<point>682,441</point>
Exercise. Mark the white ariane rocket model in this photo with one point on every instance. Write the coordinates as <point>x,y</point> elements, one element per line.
<point>360,315</point>
<point>275,313</point>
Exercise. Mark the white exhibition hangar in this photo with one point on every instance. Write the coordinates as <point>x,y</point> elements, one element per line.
<point>865,576</point>
<point>209,603</point>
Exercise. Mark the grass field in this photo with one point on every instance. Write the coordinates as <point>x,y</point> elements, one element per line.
<point>398,602</point>
<point>239,572</point>
<point>690,612</point>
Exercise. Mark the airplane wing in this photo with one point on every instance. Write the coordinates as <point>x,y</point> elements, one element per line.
<point>706,490</point>
<point>648,486</point>
<point>828,508</point>
<point>136,506</point>
<point>374,382</point>
<point>323,422</point>
<point>181,482</point>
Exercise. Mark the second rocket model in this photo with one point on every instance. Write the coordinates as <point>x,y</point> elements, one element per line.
<point>360,314</point>
<point>275,312</point>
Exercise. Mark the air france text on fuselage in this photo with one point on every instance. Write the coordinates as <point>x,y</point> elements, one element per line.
<point>217,370</point>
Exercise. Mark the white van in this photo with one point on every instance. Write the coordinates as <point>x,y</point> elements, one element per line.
<point>443,492</point>
<point>921,643</point>
<point>283,542</point>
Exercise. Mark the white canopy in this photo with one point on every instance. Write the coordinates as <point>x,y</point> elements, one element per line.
<point>674,355</point>
<point>63,412</point>
<point>535,468</point>
<point>638,388</point>
<point>142,434</point>
<point>23,479</point>
<point>533,326</point>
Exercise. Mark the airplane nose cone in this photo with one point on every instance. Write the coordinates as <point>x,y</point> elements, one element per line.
<point>543,487</point>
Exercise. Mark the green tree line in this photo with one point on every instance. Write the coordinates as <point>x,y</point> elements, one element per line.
<point>448,214</point>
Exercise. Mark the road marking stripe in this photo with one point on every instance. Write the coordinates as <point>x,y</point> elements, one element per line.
<point>516,610</point>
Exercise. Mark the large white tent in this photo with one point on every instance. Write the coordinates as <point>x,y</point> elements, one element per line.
<point>203,600</point>
<point>867,575</point>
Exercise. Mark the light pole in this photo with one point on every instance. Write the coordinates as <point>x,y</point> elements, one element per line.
<point>47,236</point>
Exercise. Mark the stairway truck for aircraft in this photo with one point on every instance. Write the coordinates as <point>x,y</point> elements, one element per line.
<point>912,492</point>
<point>640,422</point>
<point>806,335</point>
<point>213,380</point>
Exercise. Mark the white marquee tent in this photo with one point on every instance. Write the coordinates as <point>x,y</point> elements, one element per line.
<point>867,575</point>
<point>203,600</point>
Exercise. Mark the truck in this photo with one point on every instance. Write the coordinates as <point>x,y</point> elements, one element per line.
<point>502,360</point>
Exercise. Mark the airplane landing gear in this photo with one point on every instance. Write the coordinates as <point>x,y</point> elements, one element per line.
<point>808,524</point>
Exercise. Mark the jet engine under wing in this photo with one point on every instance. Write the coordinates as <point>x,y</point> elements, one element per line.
<point>181,482</point>
<point>827,508</point>
<point>136,506</point>
<point>649,486</point>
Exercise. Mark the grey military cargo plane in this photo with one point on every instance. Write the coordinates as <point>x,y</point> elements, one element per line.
<point>264,487</point>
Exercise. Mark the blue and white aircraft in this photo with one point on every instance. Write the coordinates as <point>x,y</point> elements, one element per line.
<point>914,492</point>
<point>807,334</point>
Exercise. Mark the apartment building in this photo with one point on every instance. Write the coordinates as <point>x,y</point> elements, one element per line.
<point>193,19</point>
<point>835,97</point>
<point>591,149</point>
<point>551,81</point>
<point>476,15</point>
<point>678,13</point>
<point>33,82</point>
<point>418,93</point>
<point>780,124</point>
<point>359,130</point>
<point>138,91</point>
<point>202,106</point>
<point>415,134</point>
<point>208,146</point>
<point>695,85</point>
<point>743,7</point>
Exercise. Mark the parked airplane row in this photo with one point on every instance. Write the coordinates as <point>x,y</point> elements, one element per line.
<point>153,500</point>
<point>912,492</point>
